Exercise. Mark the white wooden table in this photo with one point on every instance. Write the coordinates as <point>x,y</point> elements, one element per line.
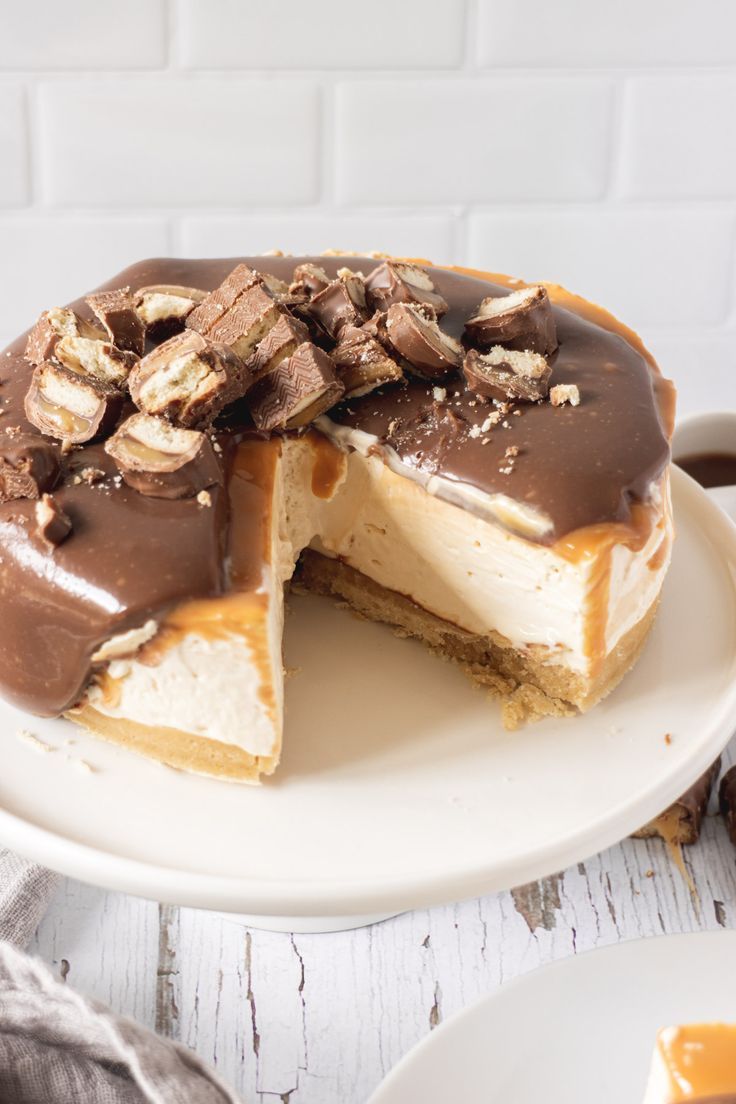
<point>320,1019</point>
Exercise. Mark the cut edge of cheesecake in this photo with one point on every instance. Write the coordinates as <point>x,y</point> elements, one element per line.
<point>174,748</point>
<point>529,689</point>
<point>312,537</point>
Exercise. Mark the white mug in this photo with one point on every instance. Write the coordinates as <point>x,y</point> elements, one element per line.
<point>703,433</point>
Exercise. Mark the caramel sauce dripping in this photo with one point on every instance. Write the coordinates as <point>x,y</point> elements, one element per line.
<point>251,490</point>
<point>657,559</point>
<point>596,543</point>
<point>328,467</point>
<point>700,1060</point>
<point>109,688</point>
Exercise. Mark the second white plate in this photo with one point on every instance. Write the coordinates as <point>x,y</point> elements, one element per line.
<point>578,1031</point>
<point>399,787</point>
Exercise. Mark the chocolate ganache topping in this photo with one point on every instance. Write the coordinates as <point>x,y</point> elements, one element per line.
<point>131,556</point>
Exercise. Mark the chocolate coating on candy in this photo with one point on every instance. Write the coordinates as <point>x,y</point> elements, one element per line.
<point>131,557</point>
<point>362,362</point>
<point>206,316</point>
<point>52,524</point>
<point>429,352</point>
<point>188,379</point>
<point>341,303</point>
<point>308,279</point>
<point>116,311</point>
<point>687,812</point>
<point>70,406</point>
<point>507,374</point>
<point>397,282</point>
<point>51,327</point>
<point>97,360</point>
<point>29,466</point>
<point>161,461</point>
<point>164,308</point>
<point>247,322</point>
<point>521,320</point>
<point>280,342</point>
<point>296,391</point>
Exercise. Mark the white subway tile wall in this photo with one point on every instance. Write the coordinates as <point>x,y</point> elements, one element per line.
<point>593,145</point>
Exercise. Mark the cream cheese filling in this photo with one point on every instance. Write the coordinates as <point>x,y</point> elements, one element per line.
<point>434,542</point>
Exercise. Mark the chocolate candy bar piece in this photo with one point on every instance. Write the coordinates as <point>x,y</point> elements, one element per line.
<point>70,406</point>
<point>362,362</point>
<point>243,325</point>
<point>247,322</point>
<point>97,359</point>
<point>280,342</point>
<point>52,524</point>
<point>341,303</point>
<point>521,320</point>
<point>416,336</point>
<point>727,800</point>
<point>29,466</point>
<point>51,327</point>
<point>161,460</point>
<point>296,391</point>
<point>188,379</point>
<point>212,308</point>
<point>116,311</point>
<point>507,374</point>
<point>276,287</point>
<point>164,308</point>
<point>308,279</point>
<point>682,821</point>
<point>396,282</point>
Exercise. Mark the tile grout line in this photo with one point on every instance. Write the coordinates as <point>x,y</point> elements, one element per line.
<point>327,137</point>
<point>619,118</point>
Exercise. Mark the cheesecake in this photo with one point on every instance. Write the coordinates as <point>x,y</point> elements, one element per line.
<point>694,1063</point>
<point>480,463</point>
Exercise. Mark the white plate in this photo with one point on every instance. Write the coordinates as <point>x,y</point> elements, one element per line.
<point>398,788</point>
<point>578,1031</point>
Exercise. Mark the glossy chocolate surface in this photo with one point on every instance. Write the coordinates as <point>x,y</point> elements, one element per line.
<point>130,556</point>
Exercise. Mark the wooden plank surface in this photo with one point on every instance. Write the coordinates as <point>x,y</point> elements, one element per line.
<point>320,1019</point>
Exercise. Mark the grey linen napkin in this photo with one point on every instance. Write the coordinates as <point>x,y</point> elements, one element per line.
<point>25,892</point>
<point>58,1047</point>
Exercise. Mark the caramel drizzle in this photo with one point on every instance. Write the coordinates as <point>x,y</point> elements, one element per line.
<point>328,465</point>
<point>700,1060</point>
<point>596,544</point>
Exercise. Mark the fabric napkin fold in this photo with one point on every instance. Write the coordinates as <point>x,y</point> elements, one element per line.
<point>58,1047</point>
<point>25,892</point>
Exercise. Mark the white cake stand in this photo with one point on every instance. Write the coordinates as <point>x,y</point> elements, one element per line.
<point>399,787</point>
